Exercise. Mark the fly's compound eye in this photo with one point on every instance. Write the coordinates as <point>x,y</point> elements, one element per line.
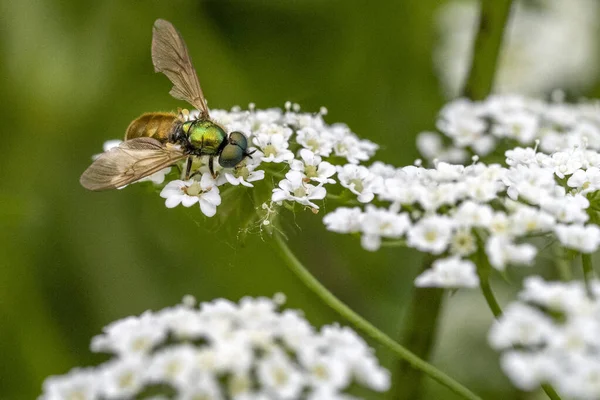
<point>231,156</point>
<point>234,151</point>
<point>238,138</point>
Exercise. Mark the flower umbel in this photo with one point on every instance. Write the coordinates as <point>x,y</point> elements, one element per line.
<point>223,350</point>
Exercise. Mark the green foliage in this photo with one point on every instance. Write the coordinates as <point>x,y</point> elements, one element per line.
<point>76,73</point>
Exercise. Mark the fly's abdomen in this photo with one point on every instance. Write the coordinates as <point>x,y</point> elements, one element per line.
<point>153,125</point>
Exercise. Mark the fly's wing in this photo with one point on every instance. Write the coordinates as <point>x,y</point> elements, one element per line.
<point>170,56</point>
<point>130,161</point>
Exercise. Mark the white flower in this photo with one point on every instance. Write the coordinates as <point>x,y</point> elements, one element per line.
<point>274,147</point>
<point>274,129</point>
<point>157,178</point>
<point>280,377</point>
<point>530,220</point>
<point>359,180</point>
<point>431,234</point>
<point>501,252</point>
<point>132,336</point>
<point>521,325</point>
<point>571,208</point>
<point>244,173</point>
<point>124,378</point>
<point>463,242</point>
<point>578,237</point>
<point>471,214</point>
<point>520,125</point>
<point>449,272</point>
<point>344,220</point>
<point>327,372</point>
<point>295,189</point>
<point>551,336</point>
<point>313,168</point>
<point>225,350</point>
<point>110,144</point>
<point>318,141</point>
<point>429,144</point>
<point>377,223</point>
<point>346,144</point>
<point>587,181</point>
<point>190,192</point>
<point>565,163</point>
<point>78,384</point>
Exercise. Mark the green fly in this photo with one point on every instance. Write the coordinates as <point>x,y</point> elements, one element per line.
<point>157,140</point>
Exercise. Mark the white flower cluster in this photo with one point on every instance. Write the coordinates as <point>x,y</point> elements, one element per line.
<point>461,213</point>
<point>501,122</point>
<point>292,146</point>
<point>551,336</point>
<point>548,44</point>
<point>223,350</point>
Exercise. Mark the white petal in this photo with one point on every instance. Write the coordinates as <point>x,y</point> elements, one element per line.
<point>232,179</point>
<point>279,195</point>
<point>207,208</point>
<point>213,196</point>
<point>188,201</point>
<point>318,193</point>
<point>173,201</point>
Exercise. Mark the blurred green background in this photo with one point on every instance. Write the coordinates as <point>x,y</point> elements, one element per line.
<point>75,73</point>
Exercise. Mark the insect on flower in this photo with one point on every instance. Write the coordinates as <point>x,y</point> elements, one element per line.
<point>157,140</point>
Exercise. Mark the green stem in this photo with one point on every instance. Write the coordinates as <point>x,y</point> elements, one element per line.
<point>490,299</point>
<point>483,270</point>
<point>550,392</point>
<point>362,324</point>
<point>493,17</point>
<point>563,267</point>
<point>394,243</point>
<point>419,333</point>
<point>588,269</point>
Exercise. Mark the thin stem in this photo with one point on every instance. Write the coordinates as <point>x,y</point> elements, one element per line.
<point>493,16</point>
<point>588,269</point>
<point>394,243</point>
<point>419,333</point>
<point>483,272</point>
<point>550,392</point>
<point>362,324</point>
<point>563,267</point>
<point>490,299</point>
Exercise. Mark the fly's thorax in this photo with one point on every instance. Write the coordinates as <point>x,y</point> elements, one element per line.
<point>156,125</point>
<point>204,136</point>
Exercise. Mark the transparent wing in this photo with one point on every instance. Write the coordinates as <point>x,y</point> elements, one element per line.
<point>170,56</point>
<point>132,160</point>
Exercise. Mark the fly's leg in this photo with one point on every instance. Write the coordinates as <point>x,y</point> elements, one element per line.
<point>188,168</point>
<point>211,167</point>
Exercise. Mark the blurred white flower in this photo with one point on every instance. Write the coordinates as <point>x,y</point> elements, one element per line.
<point>449,272</point>
<point>223,350</point>
<point>578,237</point>
<point>501,251</point>
<point>551,336</point>
<point>431,234</point>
